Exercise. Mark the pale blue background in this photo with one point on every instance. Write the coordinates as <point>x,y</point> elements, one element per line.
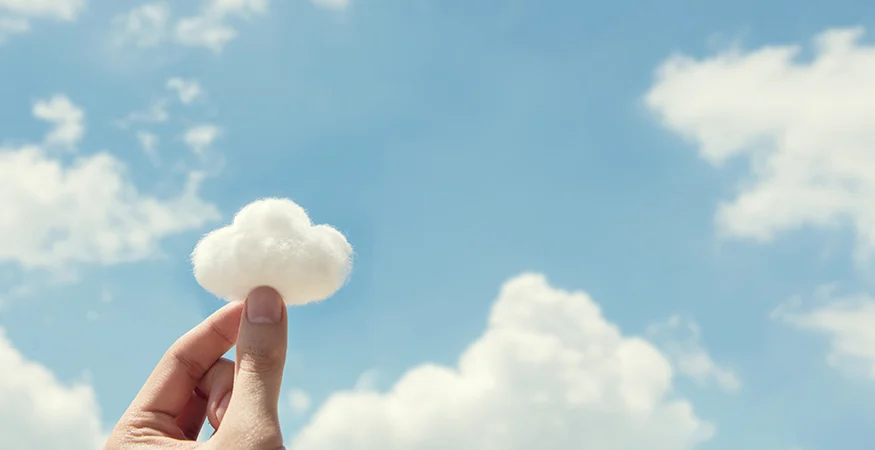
<point>457,143</point>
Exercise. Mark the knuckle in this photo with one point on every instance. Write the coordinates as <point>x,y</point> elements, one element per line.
<point>194,369</point>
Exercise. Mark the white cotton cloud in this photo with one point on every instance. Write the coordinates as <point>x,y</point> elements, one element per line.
<point>207,32</point>
<point>846,321</point>
<point>38,412</point>
<point>272,242</point>
<point>145,26</point>
<point>367,381</point>
<point>67,118</point>
<point>805,127</point>
<point>212,27</point>
<point>58,212</point>
<point>12,25</point>
<point>149,144</point>
<point>156,112</point>
<point>680,340</point>
<point>201,137</point>
<point>186,90</point>
<point>548,373</point>
<point>299,401</point>
<point>337,5</point>
<point>48,9</point>
<point>238,7</point>
<point>17,16</point>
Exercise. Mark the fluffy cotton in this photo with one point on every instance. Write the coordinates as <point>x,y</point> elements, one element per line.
<point>272,242</point>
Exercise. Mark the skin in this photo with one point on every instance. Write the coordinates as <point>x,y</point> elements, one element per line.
<point>193,383</point>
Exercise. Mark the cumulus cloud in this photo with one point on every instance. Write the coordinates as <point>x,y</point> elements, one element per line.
<point>367,381</point>
<point>144,26</point>
<point>549,373</point>
<point>201,137</point>
<point>680,340</point>
<point>11,26</point>
<point>299,401</point>
<point>86,210</point>
<point>805,127</point>
<point>38,412</point>
<point>16,15</point>
<point>337,5</point>
<point>149,143</point>
<point>156,112</point>
<point>846,321</point>
<point>211,28</point>
<point>50,9</point>
<point>67,118</point>
<point>272,242</point>
<point>186,90</point>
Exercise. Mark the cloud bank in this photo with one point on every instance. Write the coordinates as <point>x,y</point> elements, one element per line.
<point>38,412</point>
<point>549,372</point>
<point>806,129</point>
<point>86,210</point>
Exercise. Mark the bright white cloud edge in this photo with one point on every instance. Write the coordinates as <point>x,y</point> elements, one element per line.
<point>38,412</point>
<point>213,27</point>
<point>549,372</point>
<point>58,213</point>
<point>680,339</point>
<point>806,129</point>
<point>845,321</point>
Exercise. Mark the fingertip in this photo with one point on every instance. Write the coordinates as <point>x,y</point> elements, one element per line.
<point>264,305</point>
<point>217,414</point>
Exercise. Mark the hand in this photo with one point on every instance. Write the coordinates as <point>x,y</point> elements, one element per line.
<point>193,382</point>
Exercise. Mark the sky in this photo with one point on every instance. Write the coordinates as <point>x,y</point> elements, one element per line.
<point>577,225</point>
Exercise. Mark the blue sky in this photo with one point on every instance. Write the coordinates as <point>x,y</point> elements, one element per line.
<point>457,145</point>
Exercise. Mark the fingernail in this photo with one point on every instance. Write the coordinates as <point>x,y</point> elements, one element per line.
<point>223,406</point>
<point>264,305</point>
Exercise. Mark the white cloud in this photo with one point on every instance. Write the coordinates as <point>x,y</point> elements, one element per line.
<point>155,113</point>
<point>204,31</point>
<point>299,401</point>
<point>846,321</point>
<point>186,90</point>
<point>236,7</point>
<point>805,127</point>
<point>16,15</point>
<point>57,213</point>
<point>367,381</point>
<point>201,137</point>
<point>67,118</point>
<point>211,28</point>
<point>144,26</point>
<point>680,339</point>
<point>49,9</point>
<point>38,412</point>
<point>10,26</point>
<point>549,372</point>
<point>337,5</point>
<point>149,143</point>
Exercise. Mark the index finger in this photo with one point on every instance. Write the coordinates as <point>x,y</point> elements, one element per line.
<point>172,382</point>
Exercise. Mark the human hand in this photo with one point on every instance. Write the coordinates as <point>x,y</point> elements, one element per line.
<point>192,382</point>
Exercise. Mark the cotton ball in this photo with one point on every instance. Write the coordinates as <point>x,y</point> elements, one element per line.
<point>272,242</point>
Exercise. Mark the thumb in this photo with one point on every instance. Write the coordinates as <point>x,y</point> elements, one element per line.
<point>261,357</point>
